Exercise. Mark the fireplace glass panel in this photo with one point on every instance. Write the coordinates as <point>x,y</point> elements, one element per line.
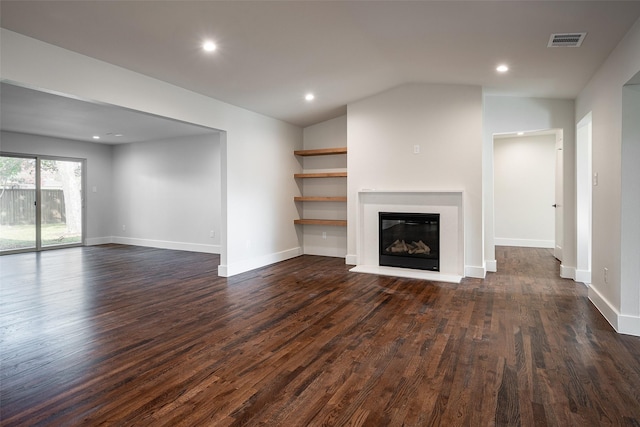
<point>410,240</point>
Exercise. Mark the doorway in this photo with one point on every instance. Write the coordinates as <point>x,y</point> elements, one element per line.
<point>527,179</point>
<point>630,202</point>
<point>41,202</point>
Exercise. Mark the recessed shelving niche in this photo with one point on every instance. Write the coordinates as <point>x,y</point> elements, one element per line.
<point>321,175</point>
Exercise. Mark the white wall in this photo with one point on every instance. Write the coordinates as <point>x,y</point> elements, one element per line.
<point>99,161</point>
<point>328,134</point>
<point>630,221</point>
<point>504,114</point>
<point>446,122</point>
<point>167,193</point>
<point>603,97</point>
<point>524,191</point>
<point>257,164</point>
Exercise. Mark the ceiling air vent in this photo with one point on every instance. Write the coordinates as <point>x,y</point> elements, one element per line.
<point>566,39</point>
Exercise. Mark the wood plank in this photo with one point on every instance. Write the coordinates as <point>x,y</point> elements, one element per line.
<point>126,335</point>
<point>321,151</point>
<point>321,175</point>
<point>320,199</point>
<point>336,222</point>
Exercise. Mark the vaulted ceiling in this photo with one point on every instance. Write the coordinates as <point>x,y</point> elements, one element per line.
<point>270,53</point>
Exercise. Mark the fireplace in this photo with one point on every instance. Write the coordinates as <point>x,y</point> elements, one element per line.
<point>410,240</point>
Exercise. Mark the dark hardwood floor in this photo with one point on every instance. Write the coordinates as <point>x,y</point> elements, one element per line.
<point>122,335</point>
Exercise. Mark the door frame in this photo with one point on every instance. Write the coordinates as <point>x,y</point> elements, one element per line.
<point>38,200</point>
<point>584,189</point>
<point>559,196</point>
<point>558,222</point>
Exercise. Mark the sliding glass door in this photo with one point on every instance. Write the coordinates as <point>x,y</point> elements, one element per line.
<point>61,202</point>
<point>41,202</point>
<point>18,214</point>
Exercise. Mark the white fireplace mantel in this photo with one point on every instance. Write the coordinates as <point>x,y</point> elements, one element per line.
<point>448,203</point>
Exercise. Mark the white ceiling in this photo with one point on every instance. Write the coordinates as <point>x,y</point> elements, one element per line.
<point>525,134</point>
<point>30,111</point>
<point>270,53</point>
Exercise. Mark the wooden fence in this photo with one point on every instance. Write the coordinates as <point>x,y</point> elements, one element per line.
<point>17,207</point>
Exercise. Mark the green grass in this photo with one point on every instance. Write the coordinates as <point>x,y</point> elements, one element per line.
<point>13,237</point>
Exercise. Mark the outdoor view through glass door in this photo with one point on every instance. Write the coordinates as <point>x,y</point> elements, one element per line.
<point>41,203</point>
<point>61,202</point>
<point>17,203</point>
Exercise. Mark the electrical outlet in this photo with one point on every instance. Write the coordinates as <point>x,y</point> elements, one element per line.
<point>124,227</point>
<point>595,179</point>
<point>416,149</point>
<point>606,275</point>
<point>324,235</point>
<point>212,234</point>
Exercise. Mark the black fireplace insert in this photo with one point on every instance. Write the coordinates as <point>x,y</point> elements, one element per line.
<point>410,240</point>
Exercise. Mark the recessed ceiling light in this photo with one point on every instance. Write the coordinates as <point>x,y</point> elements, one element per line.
<point>309,97</point>
<point>209,46</point>
<point>118,135</point>
<point>502,68</point>
<point>96,137</point>
<point>520,133</point>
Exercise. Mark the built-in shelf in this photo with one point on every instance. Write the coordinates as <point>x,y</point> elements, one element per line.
<point>321,175</point>
<point>343,199</point>
<point>321,151</point>
<point>320,199</point>
<point>336,222</point>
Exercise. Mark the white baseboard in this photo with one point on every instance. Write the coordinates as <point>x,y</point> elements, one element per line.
<point>320,251</point>
<point>622,323</point>
<point>222,271</point>
<point>473,271</point>
<point>491,265</point>
<point>98,241</point>
<point>525,243</point>
<point>351,260</point>
<point>604,307</point>
<point>567,272</point>
<point>583,276</point>
<point>629,325</point>
<point>243,266</point>
<point>163,244</point>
